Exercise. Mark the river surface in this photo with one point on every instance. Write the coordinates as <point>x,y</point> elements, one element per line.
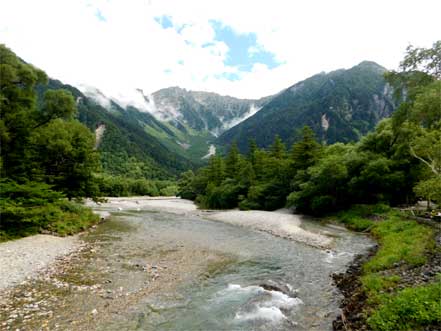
<point>157,270</point>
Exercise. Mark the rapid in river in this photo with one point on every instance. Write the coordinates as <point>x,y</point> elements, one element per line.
<point>163,265</point>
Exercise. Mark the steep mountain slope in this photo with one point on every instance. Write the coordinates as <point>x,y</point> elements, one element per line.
<point>203,110</point>
<point>126,147</point>
<point>339,106</point>
<point>189,120</point>
<point>186,110</point>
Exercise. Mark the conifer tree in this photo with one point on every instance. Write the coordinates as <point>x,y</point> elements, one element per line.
<point>278,149</point>
<point>232,161</point>
<point>305,152</point>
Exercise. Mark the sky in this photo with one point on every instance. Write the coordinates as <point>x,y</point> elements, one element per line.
<point>242,48</point>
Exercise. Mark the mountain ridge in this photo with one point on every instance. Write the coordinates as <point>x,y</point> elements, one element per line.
<point>341,105</point>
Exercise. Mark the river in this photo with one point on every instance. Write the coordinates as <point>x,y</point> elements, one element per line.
<point>156,267</point>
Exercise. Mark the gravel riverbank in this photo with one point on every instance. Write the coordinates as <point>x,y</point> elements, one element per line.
<point>26,257</point>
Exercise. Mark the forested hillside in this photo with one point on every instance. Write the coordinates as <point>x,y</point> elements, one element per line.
<point>340,106</point>
<point>126,148</point>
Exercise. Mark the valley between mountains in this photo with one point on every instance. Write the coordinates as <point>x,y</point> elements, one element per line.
<point>316,208</point>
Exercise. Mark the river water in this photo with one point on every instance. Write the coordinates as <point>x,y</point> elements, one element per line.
<point>155,270</point>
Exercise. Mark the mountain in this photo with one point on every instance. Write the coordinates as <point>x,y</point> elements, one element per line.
<point>203,110</point>
<point>340,106</point>
<point>126,146</point>
<point>161,134</point>
<point>190,120</point>
<point>194,110</point>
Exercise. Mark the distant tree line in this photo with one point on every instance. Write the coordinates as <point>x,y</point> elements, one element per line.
<point>397,163</point>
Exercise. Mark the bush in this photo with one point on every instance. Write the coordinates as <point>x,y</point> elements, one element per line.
<point>359,217</point>
<point>122,187</point>
<point>31,207</point>
<point>224,196</point>
<point>169,191</point>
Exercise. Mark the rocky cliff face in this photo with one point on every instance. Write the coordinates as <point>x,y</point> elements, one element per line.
<point>203,110</point>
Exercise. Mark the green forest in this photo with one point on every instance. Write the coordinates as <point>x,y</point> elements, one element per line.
<point>48,160</point>
<point>398,163</point>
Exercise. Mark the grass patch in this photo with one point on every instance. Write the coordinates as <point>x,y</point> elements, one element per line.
<point>361,217</point>
<point>401,241</point>
<point>404,243</point>
<point>375,283</point>
<point>409,309</point>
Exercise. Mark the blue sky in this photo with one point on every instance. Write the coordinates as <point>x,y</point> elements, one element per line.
<point>243,49</point>
<point>246,48</point>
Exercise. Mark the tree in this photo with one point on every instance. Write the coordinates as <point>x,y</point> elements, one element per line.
<point>64,152</point>
<point>185,185</point>
<point>305,152</point>
<point>277,149</point>
<point>232,161</point>
<point>216,170</point>
<point>427,60</point>
<point>426,147</point>
<point>43,143</point>
<point>429,189</point>
<point>17,111</point>
<point>252,150</point>
<point>418,118</point>
<point>56,104</point>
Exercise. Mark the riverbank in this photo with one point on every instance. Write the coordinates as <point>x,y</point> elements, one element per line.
<point>396,285</point>
<point>280,223</point>
<point>156,259</point>
<point>24,258</point>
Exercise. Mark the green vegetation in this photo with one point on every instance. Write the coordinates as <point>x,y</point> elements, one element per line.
<point>395,164</point>
<point>32,207</point>
<point>112,186</point>
<point>404,244</point>
<point>46,155</point>
<point>133,143</point>
<point>49,158</point>
<point>409,309</point>
<point>339,106</point>
<point>400,241</point>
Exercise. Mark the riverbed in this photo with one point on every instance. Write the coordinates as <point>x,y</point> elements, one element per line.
<point>161,264</point>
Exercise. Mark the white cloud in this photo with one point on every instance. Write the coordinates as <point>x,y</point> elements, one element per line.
<point>130,49</point>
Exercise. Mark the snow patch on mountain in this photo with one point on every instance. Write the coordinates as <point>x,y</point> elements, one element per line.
<point>229,123</point>
<point>233,122</point>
